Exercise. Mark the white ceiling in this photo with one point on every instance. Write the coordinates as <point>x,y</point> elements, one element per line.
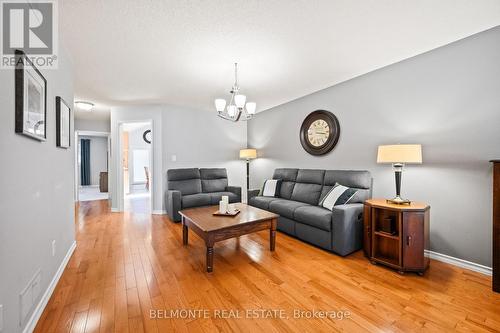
<point>182,52</point>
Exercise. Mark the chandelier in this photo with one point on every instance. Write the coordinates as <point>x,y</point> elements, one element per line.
<point>237,108</point>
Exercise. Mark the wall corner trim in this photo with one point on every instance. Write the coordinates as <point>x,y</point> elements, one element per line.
<point>159,212</point>
<point>459,262</point>
<point>31,324</point>
<point>114,210</point>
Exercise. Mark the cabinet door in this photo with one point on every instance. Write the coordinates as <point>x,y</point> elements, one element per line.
<point>367,235</point>
<point>413,240</point>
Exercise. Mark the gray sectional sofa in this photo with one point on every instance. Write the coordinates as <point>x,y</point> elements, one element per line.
<point>339,230</point>
<point>195,187</point>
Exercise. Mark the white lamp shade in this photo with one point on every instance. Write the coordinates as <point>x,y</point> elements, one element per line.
<point>240,100</point>
<point>400,154</point>
<point>231,110</point>
<point>248,153</point>
<point>251,106</point>
<point>220,104</point>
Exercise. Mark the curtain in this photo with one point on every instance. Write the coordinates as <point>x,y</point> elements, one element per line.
<point>85,162</point>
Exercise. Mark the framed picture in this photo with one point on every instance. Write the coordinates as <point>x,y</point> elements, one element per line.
<point>63,122</point>
<point>31,99</point>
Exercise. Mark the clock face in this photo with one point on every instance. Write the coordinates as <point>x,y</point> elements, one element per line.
<point>318,133</point>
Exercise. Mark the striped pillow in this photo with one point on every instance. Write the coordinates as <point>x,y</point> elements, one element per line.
<point>271,188</point>
<point>338,195</point>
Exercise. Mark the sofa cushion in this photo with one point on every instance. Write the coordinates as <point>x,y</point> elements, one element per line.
<point>287,177</point>
<point>310,176</point>
<point>314,216</point>
<point>195,200</point>
<point>308,186</point>
<point>183,174</point>
<point>213,180</point>
<point>187,181</point>
<point>215,197</point>
<point>261,202</point>
<point>358,179</point>
<point>186,187</point>
<point>307,193</point>
<point>285,207</point>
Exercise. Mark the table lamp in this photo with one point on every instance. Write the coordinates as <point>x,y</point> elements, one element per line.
<point>248,154</point>
<point>398,155</point>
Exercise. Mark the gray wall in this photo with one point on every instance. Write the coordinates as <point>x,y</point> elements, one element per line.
<point>96,123</point>
<point>36,195</point>
<point>447,99</point>
<point>98,158</point>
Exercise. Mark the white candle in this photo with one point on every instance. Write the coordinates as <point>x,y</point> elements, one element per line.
<point>222,207</point>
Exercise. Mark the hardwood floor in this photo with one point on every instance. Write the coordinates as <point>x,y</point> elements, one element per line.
<point>126,265</point>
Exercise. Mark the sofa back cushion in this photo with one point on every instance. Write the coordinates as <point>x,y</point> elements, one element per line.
<point>213,180</point>
<point>288,177</point>
<point>187,181</point>
<point>358,179</point>
<point>308,186</point>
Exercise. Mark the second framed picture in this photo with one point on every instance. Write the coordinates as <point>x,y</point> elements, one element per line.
<point>63,123</point>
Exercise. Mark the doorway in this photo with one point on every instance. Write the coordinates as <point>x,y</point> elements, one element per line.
<point>91,165</point>
<point>136,166</point>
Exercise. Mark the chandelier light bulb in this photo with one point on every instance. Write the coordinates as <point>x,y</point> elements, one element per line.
<point>240,100</point>
<point>231,110</point>
<point>251,106</point>
<point>220,104</point>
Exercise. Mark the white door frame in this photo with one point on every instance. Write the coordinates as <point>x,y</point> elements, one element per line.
<point>120,185</point>
<point>77,140</point>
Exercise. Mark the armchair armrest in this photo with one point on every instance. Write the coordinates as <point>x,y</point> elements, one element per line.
<point>253,193</point>
<point>174,204</point>
<point>236,190</point>
<point>347,228</point>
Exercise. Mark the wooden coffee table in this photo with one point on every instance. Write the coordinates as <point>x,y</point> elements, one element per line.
<point>216,228</point>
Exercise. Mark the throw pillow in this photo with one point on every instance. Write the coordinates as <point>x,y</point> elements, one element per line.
<point>271,188</point>
<point>338,195</point>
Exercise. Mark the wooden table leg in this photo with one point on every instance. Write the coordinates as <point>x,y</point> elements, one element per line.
<point>272,235</point>
<point>184,233</point>
<point>210,259</point>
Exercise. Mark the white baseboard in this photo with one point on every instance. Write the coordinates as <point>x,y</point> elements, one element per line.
<point>159,212</point>
<point>459,262</point>
<point>30,326</point>
<point>114,210</point>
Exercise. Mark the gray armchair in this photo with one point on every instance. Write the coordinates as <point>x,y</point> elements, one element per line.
<point>195,187</point>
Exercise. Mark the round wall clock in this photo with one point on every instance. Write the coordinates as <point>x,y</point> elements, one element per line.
<point>319,132</point>
<point>147,136</point>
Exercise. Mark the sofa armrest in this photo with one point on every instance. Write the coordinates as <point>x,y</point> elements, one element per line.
<point>174,204</point>
<point>236,190</point>
<point>252,193</point>
<point>347,228</point>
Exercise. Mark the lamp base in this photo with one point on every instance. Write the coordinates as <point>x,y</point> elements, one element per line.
<point>398,201</point>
